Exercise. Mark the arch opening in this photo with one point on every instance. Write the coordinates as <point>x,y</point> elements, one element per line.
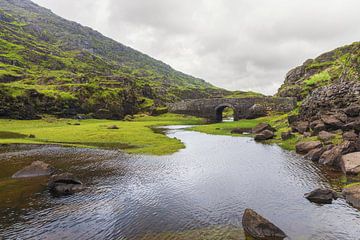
<point>225,113</point>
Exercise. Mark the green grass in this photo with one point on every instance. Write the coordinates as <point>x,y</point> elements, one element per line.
<point>318,79</point>
<point>134,137</point>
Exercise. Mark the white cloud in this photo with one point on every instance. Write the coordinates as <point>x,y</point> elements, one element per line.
<point>235,44</point>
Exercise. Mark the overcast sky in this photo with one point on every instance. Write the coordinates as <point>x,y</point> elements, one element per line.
<point>234,44</point>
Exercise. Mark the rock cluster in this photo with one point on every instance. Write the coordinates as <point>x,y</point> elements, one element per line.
<point>331,115</point>
<point>263,131</point>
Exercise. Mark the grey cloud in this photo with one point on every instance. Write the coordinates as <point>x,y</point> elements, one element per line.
<point>236,44</point>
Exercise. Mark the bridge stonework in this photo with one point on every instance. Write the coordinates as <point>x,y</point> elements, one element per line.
<point>247,108</point>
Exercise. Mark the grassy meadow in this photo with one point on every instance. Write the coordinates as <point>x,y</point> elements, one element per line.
<point>134,136</point>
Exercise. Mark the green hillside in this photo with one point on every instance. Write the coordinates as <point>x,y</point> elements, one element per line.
<point>341,64</point>
<point>55,66</point>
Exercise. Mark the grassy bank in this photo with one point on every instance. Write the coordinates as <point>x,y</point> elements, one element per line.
<point>278,121</point>
<point>134,136</point>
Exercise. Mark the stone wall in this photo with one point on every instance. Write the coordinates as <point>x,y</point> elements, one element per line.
<point>243,107</point>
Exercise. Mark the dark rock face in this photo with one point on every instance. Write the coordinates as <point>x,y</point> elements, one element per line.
<point>350,163</point>
<point>36,169</point>
<point>305,147</point>
<point>322,196</point>
<point>260,228</point>
<point>340,95</point>
<point>352,195</point>
<point>64,184</point>
<point>262,127</point>
<point>264,135</point>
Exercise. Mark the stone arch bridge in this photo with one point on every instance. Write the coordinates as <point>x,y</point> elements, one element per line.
<point>248,108</point>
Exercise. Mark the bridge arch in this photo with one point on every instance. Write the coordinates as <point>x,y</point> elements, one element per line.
<point>220,109</point>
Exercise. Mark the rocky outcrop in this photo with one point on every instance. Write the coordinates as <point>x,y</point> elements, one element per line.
<point>36,169</point>
<point>321,196</point>
<point>343,95</point>
<point>260,228</point>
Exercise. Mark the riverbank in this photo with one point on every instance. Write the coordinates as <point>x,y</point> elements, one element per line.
<point>132,136</point>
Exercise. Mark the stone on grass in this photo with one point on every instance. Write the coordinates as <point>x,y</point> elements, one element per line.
<point>113,127</point>
<point>300,127</point>
<point>322,196</point>
<point>240,130</point>
<point>262,127</point>
<point>305,147</point>
<point>36,169</point>
<point>286,135</point>
<point>260,228</point>
<point>264,135</point>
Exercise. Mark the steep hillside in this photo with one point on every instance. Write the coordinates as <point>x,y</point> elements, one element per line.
<point>341,64</point>
<point>52,65</point>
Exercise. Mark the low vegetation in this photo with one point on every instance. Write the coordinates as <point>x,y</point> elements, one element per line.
<point>134,136</point>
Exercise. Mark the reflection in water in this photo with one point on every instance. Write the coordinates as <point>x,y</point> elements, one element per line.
<point>207,184</point>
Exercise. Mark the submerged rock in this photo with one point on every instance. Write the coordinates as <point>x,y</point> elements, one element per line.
<point>305,147</point>
<point>322,196</point>
<point>65,184</point>
<point>260,228</point>
<point>36,169</point>
<point>264,135</point>
<point>352,195</point>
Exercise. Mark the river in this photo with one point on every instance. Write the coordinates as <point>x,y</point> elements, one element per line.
<point>207,184</point>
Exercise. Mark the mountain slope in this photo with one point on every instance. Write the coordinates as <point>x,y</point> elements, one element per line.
<point>52,65</point>
<point>341,64</point>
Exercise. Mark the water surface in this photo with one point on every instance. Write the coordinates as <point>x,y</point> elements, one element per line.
<point>208,184</point>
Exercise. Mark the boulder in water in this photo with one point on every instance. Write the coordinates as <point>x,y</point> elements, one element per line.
<point>322,196</point>
<point>65,184</point>
<point>260,228</point>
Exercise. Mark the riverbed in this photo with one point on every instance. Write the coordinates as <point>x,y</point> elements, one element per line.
<point>207,185</point>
